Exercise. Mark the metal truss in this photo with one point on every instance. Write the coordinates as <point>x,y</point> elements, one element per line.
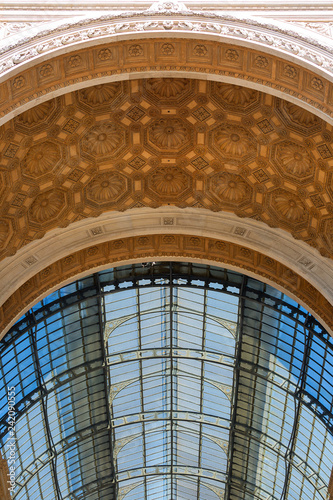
<point>53,384</point>
<point>171,276</point>
<point>46,423</point>
<point>60,447</point>
<point>96,486</point>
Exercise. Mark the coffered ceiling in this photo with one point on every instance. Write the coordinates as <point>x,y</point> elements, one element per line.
<point>166,141</point>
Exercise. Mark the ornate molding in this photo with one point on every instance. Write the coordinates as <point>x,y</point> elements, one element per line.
<point>171,56</point>
<point>173,18</point>
<point>164,246</point>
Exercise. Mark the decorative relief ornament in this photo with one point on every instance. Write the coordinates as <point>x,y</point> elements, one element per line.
<point>75,61</point>
<point>46,70</point>
<point>294,159</point>
<point>230,187</point>
<point>231,55</point>
<point>317,84</point>
<point>234,141</point>
<point>169,133</point>
<point>99,94</point>
<point>290,71</point>
<point>200,50</point>
<point>276,39</point>
<point>36,114</point>
<point>106,187</point>
<point>41,158</point>
<point>167,49</point>
<point>168,181</point>
<point>289,206</point>
<point>167,87</point>
<point>104,54</point>
<point>173,6</point>
<point>236,94</point>
<point>19,82</point>
<point>261,62</point>
<point>328,231</point>
<point>47,206</point>
<point>102,139</point>
<point>135,50</point>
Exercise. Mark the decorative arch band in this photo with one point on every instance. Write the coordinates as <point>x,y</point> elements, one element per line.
<point>170,56</point>
<point>165,247</point>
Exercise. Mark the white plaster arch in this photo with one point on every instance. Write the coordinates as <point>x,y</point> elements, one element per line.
<point>255,235</point>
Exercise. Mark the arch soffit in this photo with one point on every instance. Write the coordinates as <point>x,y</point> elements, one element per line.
<point>272,56</point>
<point>141,235</point>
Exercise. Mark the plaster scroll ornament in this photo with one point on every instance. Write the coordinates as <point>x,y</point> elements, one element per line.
<point>168,6</point>
<point>289,39</point>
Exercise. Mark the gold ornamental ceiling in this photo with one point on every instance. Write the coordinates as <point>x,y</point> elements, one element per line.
<point>164,141</point>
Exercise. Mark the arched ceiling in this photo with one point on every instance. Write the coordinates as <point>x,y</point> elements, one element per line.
<point>173,142</point>
<point>160,121</point>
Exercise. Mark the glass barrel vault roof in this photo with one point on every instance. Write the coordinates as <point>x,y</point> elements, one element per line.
<point>169,381</point>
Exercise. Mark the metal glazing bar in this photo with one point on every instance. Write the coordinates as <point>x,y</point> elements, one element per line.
<point>280,450</point>
<point>202,378</point>
<point>57,381</point>
<point>236,382</point>
<point>183,416</point>
<point>97,485</point>
<point>172,391</point>
<point>300,393</point>
<point>180,470</point>
<point>298,404</point>
<point>141,377</point>
<point>61,447</point>
<point>47,427</point>
<point>194,354</point>
<point>256,493</point>
<point>196,278</point>
<point>106,378</point>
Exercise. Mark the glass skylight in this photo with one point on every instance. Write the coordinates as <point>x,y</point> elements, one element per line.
<point>169,382</point>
